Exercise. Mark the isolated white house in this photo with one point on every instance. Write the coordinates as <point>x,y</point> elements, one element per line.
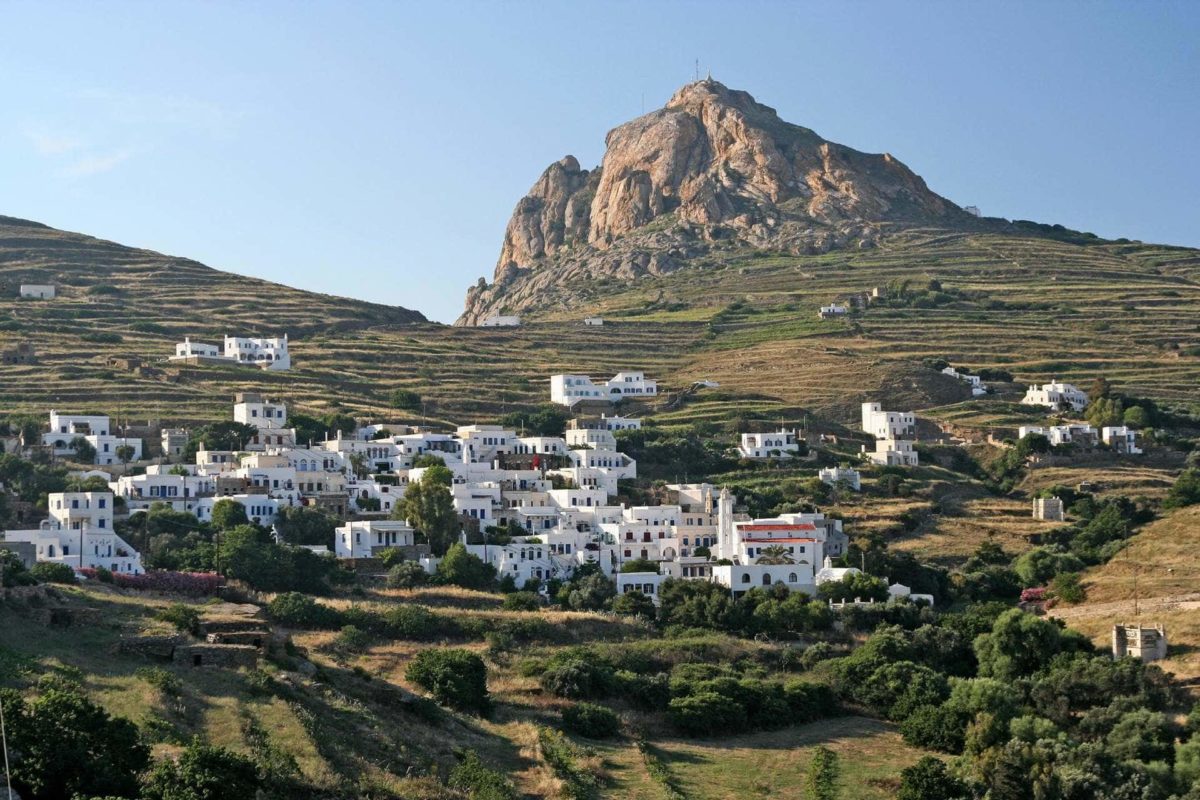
<point>974,381</point>
<point>765,445</point>
<point>841,475</point>
<point>568,390</point>
<point>893,453</point>
<point>832,310</point>
<point>1079,433</point>
<point>1121,438</point>
<point>38,291</point>
<point>269,353</point>
<point>500,321</point>
<point>1056,395</point>
<point>593,322</point>
<point>189,349</point>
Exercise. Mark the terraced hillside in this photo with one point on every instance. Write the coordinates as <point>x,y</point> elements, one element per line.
<point>1035,306</point>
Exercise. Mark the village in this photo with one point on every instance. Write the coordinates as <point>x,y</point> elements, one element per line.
<point>553,497</point>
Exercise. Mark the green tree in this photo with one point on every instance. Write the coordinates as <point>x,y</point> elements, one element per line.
<point>85,453</point>
<point>634,604</point>
<point>66,745</point>
<point>455,677</point>
<point>460,568</point>
<point>202,773</point>
<point>52,572</point>
<point>407,575</point>
<point>305,525</point>
<point>428,507</point>
<point>639,565</point>
<point>591,593</point>
<point>1067,587</point>
<point>227,435</point>
<point>125,453</point>
<point>548,420</point>
<point>405,400</point>
<point>1037,566</point>
<point>929,779</point>
<point>855,585</point>
<point>1020,644</point>
<point>227,514</point>
<point>821,780</point>
<point>1185,491</point>
<point>1137,417</point>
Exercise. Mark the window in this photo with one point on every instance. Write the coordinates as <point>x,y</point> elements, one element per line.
<point>746,578</point>
<point>792,577</point>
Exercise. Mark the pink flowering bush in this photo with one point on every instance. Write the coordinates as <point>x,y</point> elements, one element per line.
<point>1036,594</point>
<point>194,584</point>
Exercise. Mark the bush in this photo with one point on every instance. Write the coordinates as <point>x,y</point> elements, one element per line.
<point>192,584</point>
<point>405,400</point>
<point>166,682</point>
<point>203,772</point>
<point>706,714</point>
<point>457,678</point>
<point>579,679</point>
<point>52,572</point>
<point>634,604</point>
<point>184,617</point>
<point>479,781</point>
<point>929,779</point>
<point>460,568</point>
<point>521,601</point>
<point>590,720</point>
<point>416,623</point>
<point>407,575</point>
<point>646,692</point>
<point>301,611</point>
<point>352,639</point>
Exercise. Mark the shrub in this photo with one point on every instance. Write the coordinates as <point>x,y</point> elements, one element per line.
<point>52,572</point>
<point>192,584</point>
<point>203,772</point>
<point>166,682</point>
<point>104,575</point>
<point>405,400</point>
<point>461,568</point>
<point>301,611</point>
<point>352,639</point>
<point>646,692</point>
<point>416,623</point>
<point>1068,588</point>
<point>521,601</point>
<point>407,575</point>
<point>706,714</point>
<point>634,604</point>
<point>590,720</point>
<point>479,781</point>
<point>579,679</point>
<point>929,779</point>
<point>457,678</point>
<point>390,556</point>
<point>184,617</point>
<point>816,653</point>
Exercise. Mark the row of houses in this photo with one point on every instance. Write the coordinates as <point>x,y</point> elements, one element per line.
<point>1120,438</point>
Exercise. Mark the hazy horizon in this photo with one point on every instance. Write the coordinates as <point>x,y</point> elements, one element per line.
<point>376,150</point>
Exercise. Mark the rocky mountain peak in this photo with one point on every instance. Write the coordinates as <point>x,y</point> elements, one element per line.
<point>711,165</point>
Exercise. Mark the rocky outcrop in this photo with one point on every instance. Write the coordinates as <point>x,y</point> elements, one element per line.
<point>713,165</point>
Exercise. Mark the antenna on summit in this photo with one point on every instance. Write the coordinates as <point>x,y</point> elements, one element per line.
<point>697,70</point>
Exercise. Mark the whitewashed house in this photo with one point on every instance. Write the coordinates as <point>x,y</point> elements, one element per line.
<point>500,321</point>
<point>781,443</point>
<point>189,349</point>
<point>568,390</point>
<point>365,539</point>
<point>593,322</point>
<point>260,508</point>
<point>265,352</point>
<point>974,381</point>
<point>1056,395</point>
<point>37,291</point>
<point>833,310</point>
<point>79,533</point>
<point>1080,434</point>
<point>844,476</point>
<point>888,424</point>
<point>893,453</point>
<point>65,427</point>
<point>1121,438</point>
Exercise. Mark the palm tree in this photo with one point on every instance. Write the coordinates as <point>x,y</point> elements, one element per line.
<point>775,554</point>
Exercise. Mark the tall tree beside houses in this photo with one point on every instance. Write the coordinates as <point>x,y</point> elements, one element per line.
<point>428,507</point>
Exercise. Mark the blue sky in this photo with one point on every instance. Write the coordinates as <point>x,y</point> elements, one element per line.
<point>376,150</point>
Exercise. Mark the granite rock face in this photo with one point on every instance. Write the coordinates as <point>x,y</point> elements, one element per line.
<point>713,165</point>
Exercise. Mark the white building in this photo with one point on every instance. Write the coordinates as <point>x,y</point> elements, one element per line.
<point>65,427</point>
<point>781,443</point>
<point>109,449</point>
<point>189,349</point>
<point>1080,434</point>
<point>264,352</point>
<point>593,322</point>
<point>1049,509</point>
<point>174,442</point>
<point>80,523</point>
<point>260,508</point>
<point>888,424</point>
<point>568,390</point>
<point>1056,395</point>
<point>366,539</point>
<point>268,353</point>
<point>974,381</point>
<point>37,291</point>
<point>841,475</point>
<point>893,453</point>
<point>1121,438</point>
<point>832,310</point>
<point>500,321</point>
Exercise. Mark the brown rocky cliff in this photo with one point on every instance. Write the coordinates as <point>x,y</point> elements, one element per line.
<point>720,165</point>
